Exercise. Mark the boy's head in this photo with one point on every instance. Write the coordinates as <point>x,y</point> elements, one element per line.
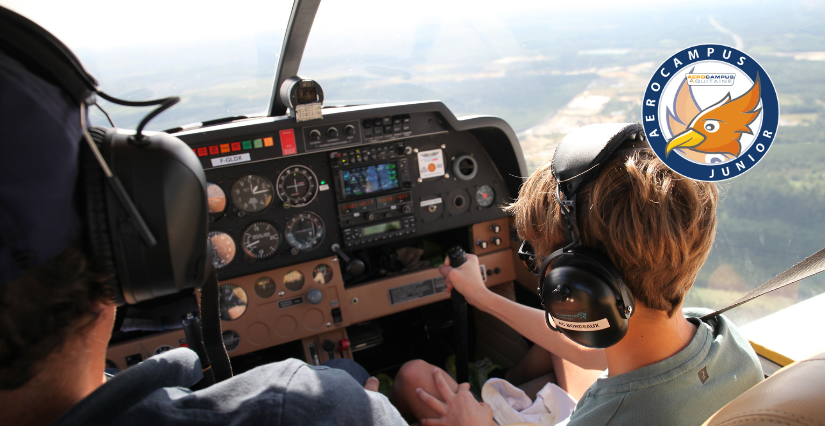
<point>656,226</point>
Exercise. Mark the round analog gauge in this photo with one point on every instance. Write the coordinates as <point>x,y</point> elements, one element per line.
<point>252,193</point>
<point>485,196</point>
<point>161,349</point>
<point>231,340</point>
<point>217,198</point>
<point>233,301</point>
<point>297,186</point>
<point>223,246</point>
<point>294,280</point>
<point>265,287</point>
<point>322,274</point>
<point>260,240</point>
<point>305,231</point>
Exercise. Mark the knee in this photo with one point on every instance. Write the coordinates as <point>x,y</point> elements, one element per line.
<point>412,374</point>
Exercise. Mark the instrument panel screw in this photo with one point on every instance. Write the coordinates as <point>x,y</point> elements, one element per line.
<point>415,150</point>
<point>447,175</point>
<point>443,146</point>
<point>420,180</point>
<point>354,300</point>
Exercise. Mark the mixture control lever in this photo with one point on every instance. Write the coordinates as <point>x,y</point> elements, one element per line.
<point>354,267</point>
<point>462,358</point>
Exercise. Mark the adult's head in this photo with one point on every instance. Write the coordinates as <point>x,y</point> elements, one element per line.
<point>656,226</point>
<point>48,292</point>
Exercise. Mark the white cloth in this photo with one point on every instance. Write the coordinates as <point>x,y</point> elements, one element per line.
<point>511,405</point>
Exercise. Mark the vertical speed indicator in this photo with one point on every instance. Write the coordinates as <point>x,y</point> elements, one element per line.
<point>297,186</point>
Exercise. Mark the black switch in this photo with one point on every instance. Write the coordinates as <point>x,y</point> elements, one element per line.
<point>133,359</point>
<point>336,315</point>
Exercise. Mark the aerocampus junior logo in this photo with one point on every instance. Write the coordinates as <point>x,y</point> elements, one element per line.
<point>710,112</point>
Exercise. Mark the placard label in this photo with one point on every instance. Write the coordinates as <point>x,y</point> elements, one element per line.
<point>232,159</point>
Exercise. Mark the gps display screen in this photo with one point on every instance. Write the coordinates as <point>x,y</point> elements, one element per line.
<point>368,179</point>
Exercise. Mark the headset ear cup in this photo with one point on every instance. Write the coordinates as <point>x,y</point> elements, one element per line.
<point>97,238</point>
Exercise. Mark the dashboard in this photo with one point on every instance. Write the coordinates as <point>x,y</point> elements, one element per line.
<point>326,223</point>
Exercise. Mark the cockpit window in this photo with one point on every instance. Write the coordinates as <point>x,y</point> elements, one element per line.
<point>550,67</point>
<point>219,57</point>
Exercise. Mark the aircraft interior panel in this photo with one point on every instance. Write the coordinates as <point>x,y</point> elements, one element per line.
<point>318,227</point>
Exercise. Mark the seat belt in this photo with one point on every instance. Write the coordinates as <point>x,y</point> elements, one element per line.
<point>211,326</point>
<point>812,265</point>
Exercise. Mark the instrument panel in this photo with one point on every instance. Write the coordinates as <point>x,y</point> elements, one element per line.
<point>283,197</point>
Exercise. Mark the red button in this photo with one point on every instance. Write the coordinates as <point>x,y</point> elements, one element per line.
<point>203,152</point>
<point>288,142</point>
<point>343,345</point>
<point>236,146</point>
<point>214,149</point>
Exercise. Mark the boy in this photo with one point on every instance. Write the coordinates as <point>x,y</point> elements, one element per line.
<point>657,228</point>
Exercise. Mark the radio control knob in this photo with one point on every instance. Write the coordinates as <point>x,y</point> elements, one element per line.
<point>315,135</point>
<point>315,296</point>
<point>495,228</point>
<point>349,130</point>
<point>370,216</point>
<point>332,132</point>
<point>406,209</point>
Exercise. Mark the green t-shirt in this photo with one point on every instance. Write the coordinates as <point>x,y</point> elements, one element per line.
<point>686,389</point>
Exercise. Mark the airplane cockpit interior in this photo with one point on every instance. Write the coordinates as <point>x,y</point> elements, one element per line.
<point>347,146</point>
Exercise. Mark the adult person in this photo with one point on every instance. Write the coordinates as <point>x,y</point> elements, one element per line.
<point>657,228</point>
<point>56,317</point>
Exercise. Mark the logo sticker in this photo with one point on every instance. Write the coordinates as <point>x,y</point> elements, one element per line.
<point>703,374</point>
<point>710,112</point>
<point>583,326</point>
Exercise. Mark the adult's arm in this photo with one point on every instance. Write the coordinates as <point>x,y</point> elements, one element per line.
<point>528,321</point>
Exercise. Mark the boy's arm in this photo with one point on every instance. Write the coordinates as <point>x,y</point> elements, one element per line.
<point>524,319</point>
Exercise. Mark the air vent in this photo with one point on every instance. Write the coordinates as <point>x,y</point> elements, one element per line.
<point>465,167</point>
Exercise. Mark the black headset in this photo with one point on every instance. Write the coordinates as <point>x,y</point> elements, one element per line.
<point>142,196</point>
<point>579,287</point>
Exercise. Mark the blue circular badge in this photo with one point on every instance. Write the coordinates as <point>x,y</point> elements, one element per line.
<point>710,112</point>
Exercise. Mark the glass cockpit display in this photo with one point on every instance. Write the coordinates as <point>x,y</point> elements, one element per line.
<point>368,179</point>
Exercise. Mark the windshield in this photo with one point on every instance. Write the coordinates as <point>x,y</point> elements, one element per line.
<point>220,60</point>
<point>548,68</point>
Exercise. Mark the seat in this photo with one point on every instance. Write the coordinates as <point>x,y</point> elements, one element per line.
<point>794,396</point>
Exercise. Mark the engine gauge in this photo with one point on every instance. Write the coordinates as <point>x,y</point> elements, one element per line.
<point>265,287</point>
<point>231,340</point>
<point>260,240</point>
<point>217,198</point>
<point>252,193</point>
<point>297,186</point>
<point>322,274</point>
<point>223,246</point>
<point>485,196</point>
<point>305,231</point>
<point>294,280</point>
<point>233,302</point>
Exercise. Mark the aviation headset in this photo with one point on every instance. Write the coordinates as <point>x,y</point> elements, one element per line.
<point>142,196</point>
<point>579,287</point>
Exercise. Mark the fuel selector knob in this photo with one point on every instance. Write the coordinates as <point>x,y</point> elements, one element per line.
<point>315,135</point>
<point>315,296</point>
